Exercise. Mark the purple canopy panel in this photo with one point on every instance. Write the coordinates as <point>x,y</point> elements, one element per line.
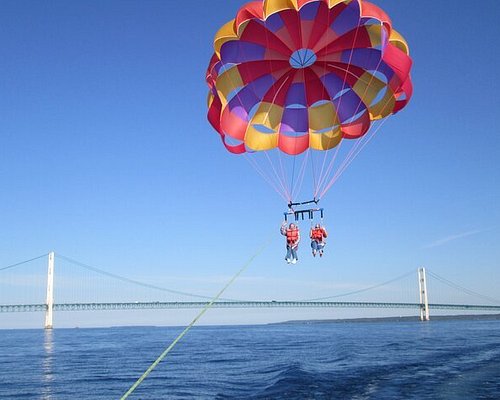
<point>237,51</point>
<point>309,11</point>
<point>348,105</point>
<point>295,120</point>
<point>333,84</point>
<point>296,95</point>
<point>348,19</point>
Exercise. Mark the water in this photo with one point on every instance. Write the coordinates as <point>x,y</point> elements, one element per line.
<point>382,360</point>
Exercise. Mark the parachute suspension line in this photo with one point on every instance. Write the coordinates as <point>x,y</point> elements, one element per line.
<point>359,104</point>
<point>313,174</point>
<point>343,87</point>
<point>326,175</point>
<point>329,168</point>
<point>301,175</point>
<point>282,179</point>
<point>293,171</point>
<point>286,192</point>
<point>254,164</point>
<point>323,92</point>
<point>292,188</point>
<point>186,330</point>
<point>278,179</point>
<point>283,173</point>
<point>361,144</point>
<point>332,162</point>
<point>354,152</point>
<point>302,170</point>
<point>308,151</point>
<point>360,147</point>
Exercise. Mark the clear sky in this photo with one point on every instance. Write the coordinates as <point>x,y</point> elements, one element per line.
<point>106,155</point>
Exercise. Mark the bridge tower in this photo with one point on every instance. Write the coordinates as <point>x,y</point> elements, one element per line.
<point>424,302</point>
<point>50,292</point>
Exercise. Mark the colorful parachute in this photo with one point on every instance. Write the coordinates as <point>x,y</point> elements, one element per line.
<point>299,75</point>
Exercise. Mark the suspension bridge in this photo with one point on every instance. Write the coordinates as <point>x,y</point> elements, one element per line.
<point>10,288</point>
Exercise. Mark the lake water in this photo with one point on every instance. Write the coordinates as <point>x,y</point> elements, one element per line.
<point>369,360</point>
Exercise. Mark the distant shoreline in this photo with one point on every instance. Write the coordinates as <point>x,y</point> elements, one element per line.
<point>416,319</point>
<point>479,317</point>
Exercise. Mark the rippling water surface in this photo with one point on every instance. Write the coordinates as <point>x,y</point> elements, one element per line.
<point>381,360</point>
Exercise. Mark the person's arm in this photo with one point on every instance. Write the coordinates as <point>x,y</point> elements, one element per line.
<point>325,233</point>
<point>311,233</point>
<point>283,228</point>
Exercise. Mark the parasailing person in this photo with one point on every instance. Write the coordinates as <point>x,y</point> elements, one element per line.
<point>292,234</point>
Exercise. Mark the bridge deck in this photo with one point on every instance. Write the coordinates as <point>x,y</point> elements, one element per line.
<point>235,304</point>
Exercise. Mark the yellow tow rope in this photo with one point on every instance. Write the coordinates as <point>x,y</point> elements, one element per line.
<point>181,335</point>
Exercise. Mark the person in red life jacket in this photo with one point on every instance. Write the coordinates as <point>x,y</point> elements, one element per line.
<point>292,235</point>
<point>318,235</point>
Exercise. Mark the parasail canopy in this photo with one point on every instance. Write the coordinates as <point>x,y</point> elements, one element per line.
<point>299,75</point>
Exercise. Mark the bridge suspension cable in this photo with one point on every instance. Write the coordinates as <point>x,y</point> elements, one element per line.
<point>461,288</point>
<point>363,290</point>
<point>23,262</point>
<point>133,281</point>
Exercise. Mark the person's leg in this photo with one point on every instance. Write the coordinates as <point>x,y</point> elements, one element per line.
<point>288,257</point>
<point>321,246</point>
<point>314,246</point>
<point>294,254</point>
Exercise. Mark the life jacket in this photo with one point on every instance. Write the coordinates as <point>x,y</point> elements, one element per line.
<point>318,234</point>
<point>292,236</point>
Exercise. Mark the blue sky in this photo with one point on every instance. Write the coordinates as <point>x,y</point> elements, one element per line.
<point>106,155</point>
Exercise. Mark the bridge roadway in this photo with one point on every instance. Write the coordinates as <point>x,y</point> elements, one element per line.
<point>235,304</point>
